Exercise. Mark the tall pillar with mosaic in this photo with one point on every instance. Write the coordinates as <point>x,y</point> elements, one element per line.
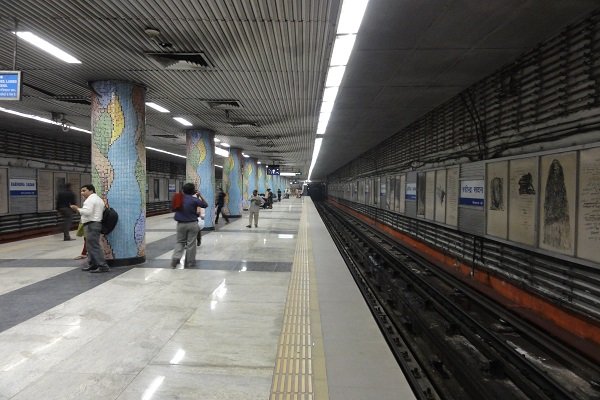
<point>249,180</point>
<point>232,182</point>
<point>261,176</point>
<point>119,165</point>
<point>200,169</point>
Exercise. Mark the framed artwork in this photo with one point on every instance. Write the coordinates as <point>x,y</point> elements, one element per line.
<point>523,199</point>
<point>588,221</point>
<point>557,202</point>
<point>496,203</point>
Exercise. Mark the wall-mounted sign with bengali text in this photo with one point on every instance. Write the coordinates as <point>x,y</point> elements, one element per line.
<point>411,191</point>
<point>10,85</point>
<point>472,193</point>
<point>23,187</point>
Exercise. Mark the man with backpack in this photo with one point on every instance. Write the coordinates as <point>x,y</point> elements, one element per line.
<point>187,225</point>
<point>91,218</point>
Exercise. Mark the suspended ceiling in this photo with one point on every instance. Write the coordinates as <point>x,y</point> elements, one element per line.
<point>267,59</point>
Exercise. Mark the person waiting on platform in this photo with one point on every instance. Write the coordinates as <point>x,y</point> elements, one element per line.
<point>64,200</point>
<point>220,204</point>
<point>269,203</point>
<point>279,195</point>
<point>187,225</point>
<point>91,218</point>
<point>255,203</point>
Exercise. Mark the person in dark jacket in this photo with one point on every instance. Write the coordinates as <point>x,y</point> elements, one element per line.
<point>220,204</point>
<point>187,226</point>
<point>279,195</point>
<point>64,200</point>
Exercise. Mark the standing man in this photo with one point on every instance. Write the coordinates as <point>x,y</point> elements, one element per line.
<point>187,225</point>
<point>255,203</point>
<point>91,218</point>
<point>64,200</point>
<point>279,195</point>
<point>220,204</point>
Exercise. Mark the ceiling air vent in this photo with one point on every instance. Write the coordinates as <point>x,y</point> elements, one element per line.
<point>243,124</point>
<point>223,104</point>
<point>73,99</point>
<point>196,60</point>
<point>166,136</point>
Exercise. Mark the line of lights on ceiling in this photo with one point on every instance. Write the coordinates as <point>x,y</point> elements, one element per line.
<point>348,25</point>
<point>46,46</point>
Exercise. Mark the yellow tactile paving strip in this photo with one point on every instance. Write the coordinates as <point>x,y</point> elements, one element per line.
<point>300,365</point>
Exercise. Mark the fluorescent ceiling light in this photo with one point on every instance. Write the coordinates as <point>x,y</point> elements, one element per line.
<point>321,129</point>
<point>217,140</point>
<point>342,49</point>
<point>225,144</point>
<point>47,47</point>
<point>218,166</point>
<point>221,152</point>
<point>351,16</point>
<point>326,107</point>
<point>166,152</point>
<point>183,121</point>
<point>330,93</point>
<point>258,162</point>
<point>316,150</point>
<point>245,155</point>
<point>334,76</point>
<point>42,119</point>
<point>157,107</point>
<point>324,117</point>
<point>287,174</point>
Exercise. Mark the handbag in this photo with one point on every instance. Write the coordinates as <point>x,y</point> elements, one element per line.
<point>80,230</point>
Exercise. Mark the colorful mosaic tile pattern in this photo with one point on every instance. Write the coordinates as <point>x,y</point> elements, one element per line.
<point>200,169</point>
<point>119,163</point>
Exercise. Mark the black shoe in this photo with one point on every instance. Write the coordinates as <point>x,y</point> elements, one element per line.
<point>256,226</point>
<point>68,239</point>
<point>99,270</point>
<point>90,268</point>
<point>198,242</point>
<point>248,226</point>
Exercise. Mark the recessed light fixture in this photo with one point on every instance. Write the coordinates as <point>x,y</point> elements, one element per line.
<point>217,140</point>
<point>47,47</point>
<point>224,144</point>
<point>157,107</point>
<point>183,121</point>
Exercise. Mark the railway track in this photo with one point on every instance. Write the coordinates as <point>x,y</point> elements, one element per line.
<point>452,341</point>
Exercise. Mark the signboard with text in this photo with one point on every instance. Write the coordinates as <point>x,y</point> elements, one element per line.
<point>411,191</point>
<point>472,193</point>
<point>10,85</point>
<point>23,187</point>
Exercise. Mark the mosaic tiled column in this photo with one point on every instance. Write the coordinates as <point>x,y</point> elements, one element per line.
<point>268,182</point>
<point>200,169</point>
<point>249,181</point>
<point>232,182</point>
<point>261,177</point>
<point>119,165</point>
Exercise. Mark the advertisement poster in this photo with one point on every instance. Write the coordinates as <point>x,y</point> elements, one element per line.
<point>523,199</point>
<point>497,199</point>
<point>557,202</point>
<point>588,235</point>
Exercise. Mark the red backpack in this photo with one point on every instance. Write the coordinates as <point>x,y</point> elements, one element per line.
<point>177,201</point>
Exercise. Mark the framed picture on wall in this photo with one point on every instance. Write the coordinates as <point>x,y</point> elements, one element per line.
<point>557,202</point>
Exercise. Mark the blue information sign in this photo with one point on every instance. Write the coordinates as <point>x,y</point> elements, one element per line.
<point>10,85</point>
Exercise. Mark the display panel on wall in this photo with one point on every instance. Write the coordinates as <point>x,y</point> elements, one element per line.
<point>401,197</point>
<point>588,232</point>
<point>421,187</point>
<point>497,199</point>
<point>557,202</point>
<point>46,182</point>
<point>430,195</point>
<point>3,190</point>
<point>452,195</point>
<point>523,200</point>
